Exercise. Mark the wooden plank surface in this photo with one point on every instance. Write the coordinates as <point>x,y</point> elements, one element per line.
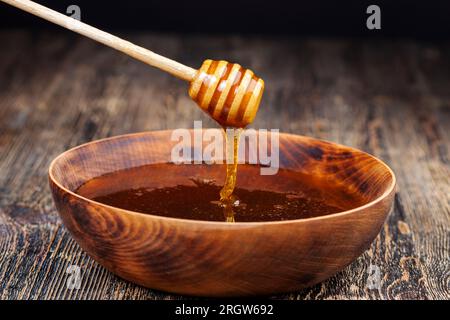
<point>389,98</point>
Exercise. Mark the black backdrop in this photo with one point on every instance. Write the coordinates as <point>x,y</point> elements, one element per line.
<point>400,18</point>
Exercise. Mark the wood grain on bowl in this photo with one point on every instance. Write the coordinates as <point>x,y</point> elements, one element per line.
<point>214,258</point>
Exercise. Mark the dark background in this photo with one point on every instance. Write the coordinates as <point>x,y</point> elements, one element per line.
<point>411,19</point>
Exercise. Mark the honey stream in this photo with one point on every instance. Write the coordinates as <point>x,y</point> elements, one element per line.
<point>227,199</point>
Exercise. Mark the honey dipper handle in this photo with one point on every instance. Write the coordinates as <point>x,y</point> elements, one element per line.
<point>177,69</point>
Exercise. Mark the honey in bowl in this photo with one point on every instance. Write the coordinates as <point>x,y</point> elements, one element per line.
<point>188,192</point>
<point>216,258</point>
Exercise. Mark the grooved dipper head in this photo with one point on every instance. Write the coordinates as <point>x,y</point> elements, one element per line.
<point>229,93</point>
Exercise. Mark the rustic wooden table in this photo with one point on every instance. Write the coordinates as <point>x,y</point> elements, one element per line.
<point>389,98</point>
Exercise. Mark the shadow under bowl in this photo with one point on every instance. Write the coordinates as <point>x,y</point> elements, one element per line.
<point>206,258</point>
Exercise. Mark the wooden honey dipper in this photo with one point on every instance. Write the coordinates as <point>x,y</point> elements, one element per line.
<point>229,93</point>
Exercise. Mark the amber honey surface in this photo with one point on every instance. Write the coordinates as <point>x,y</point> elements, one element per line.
<point>188,192</point>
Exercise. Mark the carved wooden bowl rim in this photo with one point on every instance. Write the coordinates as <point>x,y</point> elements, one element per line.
<point>380,198</point>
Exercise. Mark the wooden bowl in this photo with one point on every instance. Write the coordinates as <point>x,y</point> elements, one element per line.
<point>206,258</point>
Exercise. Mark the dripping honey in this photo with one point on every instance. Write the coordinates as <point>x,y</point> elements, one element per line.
<point>231,96</point>
<point>227,199</point>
